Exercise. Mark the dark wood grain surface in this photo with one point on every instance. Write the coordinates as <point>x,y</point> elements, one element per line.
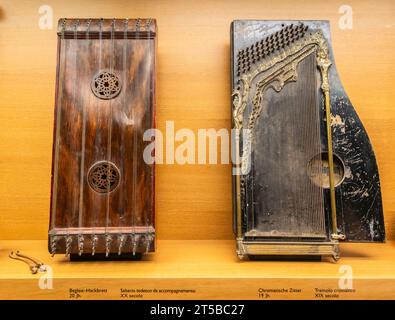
<point>89,130</point>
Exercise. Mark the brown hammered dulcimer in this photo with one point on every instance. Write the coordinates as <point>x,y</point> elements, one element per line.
<point>102,200</point>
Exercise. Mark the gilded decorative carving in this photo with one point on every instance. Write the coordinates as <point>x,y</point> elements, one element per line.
<point>276,72</point>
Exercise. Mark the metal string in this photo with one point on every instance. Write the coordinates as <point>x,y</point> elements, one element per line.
<point>62,62</point>
<point>313,192</point>
<point>299,201</point>
<point>319,150</point>
<point>74,201</point>
<point>97,202</point>
<point>123,201</point>
<point>134,159</point>
<point>318,219</point>
<point>305,206</point>
<point>147,114</point>
<point>109,136</point>
<point>83,140</point>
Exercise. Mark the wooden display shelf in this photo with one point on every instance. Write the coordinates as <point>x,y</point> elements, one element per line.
<point>200,270</point>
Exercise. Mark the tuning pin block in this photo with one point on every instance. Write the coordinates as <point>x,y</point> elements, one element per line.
<point>69,241</point>
<point>54,241</point>
<point>108,244</point>
<point>95,239</point>
<point>276,41</point>
<point>80,245</point>
<point>121,243</point>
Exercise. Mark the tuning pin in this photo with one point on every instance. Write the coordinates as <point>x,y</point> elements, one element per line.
<point>108,244</point>
<point>148,240</point>
<point>77,22</point>
<point>149,23</point>
<point>80,245</point>
<point>69,240</point>
<point>121,243</point>
<point>137,26</point>
<point>134,243</point>
<point>94,244</point>
<point>53,245</point>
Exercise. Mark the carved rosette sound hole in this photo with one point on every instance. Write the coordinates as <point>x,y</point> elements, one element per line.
<point>103,177</point>
<point>106,85</point>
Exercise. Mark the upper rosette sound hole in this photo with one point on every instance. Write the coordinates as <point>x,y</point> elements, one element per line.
<point>106,85</point>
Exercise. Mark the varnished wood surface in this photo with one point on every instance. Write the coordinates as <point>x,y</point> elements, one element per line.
<point>90,130</point>
<point>210,267</point>
<point>193,201</point>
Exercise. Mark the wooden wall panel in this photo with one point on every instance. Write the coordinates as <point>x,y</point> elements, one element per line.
<point>193,201</point>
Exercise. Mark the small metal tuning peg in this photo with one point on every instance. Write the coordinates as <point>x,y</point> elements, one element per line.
<point>134,243</point>
<point>54,241</point>
<point>80,245</point>
<point>69,241</point>
<point>148,240</point>
<point>95,239</point>
<point>121,243</point>
<point>108,244</point>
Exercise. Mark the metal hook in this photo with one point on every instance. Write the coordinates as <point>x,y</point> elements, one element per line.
<point>32,268</point>
<point>35,265</point>
<point>34,260</point>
